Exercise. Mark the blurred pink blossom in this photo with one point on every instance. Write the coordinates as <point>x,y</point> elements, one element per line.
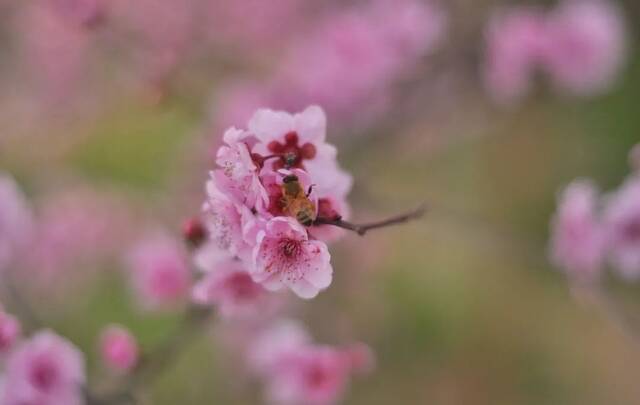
<point>362,50</point>
<point>159,271</point>
<point>516,42</point>
<point>622,228</point>
<point>580,45</point>
<point>118,348</point>
<point>587,45</point>
<point>231,290</point>
<point>45,370</point>
<point>16,221</point>
<point>297,371</point>
<point>577,243</point>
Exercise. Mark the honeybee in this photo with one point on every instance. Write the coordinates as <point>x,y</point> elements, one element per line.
<point>296,202</point>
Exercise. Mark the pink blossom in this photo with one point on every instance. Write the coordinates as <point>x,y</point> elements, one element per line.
<point>284,256</point>
<point>281,338</point>
<point>622,228</point>
<point>580,45</point>
<point>230,288</point>
<point>119,348</point>
<point>297,371</point>
<point>577,239</point>
<point>516,42</point>
<point>9,332</point>
<point>587,45</point>
<point>16,221</point>
<point>224,221</point>
<point>314,375</point>
<point>159,271</point>
<point>45,370</point>
<point>298,140</point>
<point>238,175</point>
<point>361,50</point>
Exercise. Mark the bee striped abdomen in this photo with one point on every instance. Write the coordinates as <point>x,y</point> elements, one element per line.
<point>304,218</point>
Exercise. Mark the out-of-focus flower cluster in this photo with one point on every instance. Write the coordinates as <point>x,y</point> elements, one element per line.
<point>579,45</point>
<point>591,230</point>
<point>362,50</point>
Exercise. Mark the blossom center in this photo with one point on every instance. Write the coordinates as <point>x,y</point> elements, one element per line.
<point>43,375</point>
<point>290,248</point>
<point>290,152</point>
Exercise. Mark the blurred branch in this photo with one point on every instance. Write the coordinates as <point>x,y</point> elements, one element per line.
<point>598,297</point>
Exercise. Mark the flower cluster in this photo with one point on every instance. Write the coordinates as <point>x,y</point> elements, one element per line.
<point>580,45</point>
<point>273,180</point>
<point>590,230</point>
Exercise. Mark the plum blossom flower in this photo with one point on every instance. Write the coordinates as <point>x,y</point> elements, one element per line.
<point>579,45</point>
<point>296,370</point>
<point>47,370</point>
<point>159,271</point>
<point>238,175</point>
<point>363,51</point>
<point>251,219</point>
<point>16,220</point>
<point>622,228</point>
<point>516,41</point>
<point>118,348</point>
<point>577,243</point>
<point>587,45</point>
<point>232,290</point>
<point>298,139</point>
<point>224,221</point>
<point>284,256</point>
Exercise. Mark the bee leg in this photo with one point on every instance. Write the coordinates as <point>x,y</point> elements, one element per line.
<point>310,190</point>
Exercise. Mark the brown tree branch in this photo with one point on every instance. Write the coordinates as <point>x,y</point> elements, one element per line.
<point>362,229</point>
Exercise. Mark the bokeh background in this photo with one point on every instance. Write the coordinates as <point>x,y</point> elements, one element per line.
<point>461,307</point>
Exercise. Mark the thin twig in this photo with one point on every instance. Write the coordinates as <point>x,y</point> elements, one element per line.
<point>362,229</point>
<point>597,296</point>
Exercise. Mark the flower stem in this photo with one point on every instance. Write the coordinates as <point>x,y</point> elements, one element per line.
<point>362,229</point>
